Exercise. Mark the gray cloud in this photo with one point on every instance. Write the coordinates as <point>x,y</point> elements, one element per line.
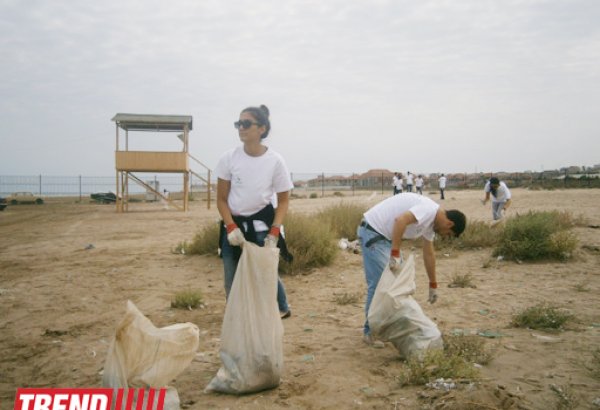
<point>429,85</point>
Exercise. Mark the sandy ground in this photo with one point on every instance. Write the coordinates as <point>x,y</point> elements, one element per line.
<point>60,302</point>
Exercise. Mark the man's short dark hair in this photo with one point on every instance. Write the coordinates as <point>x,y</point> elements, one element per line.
<point>459,219</point>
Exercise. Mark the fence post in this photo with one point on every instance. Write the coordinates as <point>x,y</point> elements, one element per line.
<point>322,185</point>
<point>381,182</point>
<point>353,180</point>
<point>40,184</point>
<point>80,198</point>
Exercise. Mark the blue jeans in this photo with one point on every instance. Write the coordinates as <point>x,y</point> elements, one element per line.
<point>497,209</point>
<point>230,266</point>
<point>375,259</point>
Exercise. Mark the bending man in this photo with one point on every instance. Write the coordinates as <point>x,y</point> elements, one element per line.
<point>403,216</point>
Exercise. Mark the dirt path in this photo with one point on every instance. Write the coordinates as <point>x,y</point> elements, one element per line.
<point>67,270</point>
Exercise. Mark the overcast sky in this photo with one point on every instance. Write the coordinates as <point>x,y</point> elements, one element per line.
<point>425,86</point>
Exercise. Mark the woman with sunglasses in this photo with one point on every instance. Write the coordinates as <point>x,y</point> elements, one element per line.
<point>250,177</point>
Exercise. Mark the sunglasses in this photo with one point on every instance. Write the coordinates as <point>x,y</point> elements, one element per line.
<point>244,124</point>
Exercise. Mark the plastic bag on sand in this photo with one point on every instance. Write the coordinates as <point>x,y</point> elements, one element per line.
<point>142,355</point>
<point>252,333</point>
<point>396,317</point>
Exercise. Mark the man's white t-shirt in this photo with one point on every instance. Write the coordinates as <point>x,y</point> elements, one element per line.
<point>419,182</point>
<point>382,216</point>
<point>442,182</point>
<point>409,179</point>
<point>502,193</point>
<point>254,180</point>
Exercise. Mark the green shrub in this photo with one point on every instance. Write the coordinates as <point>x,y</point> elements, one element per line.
<point>542,316</point>
<point>313,195</point>
<point>437,364</point>
<point>187,299</point>
<point>337,193</point>
<point>470,347</point>
<point>312,243</point>
<point>205,242</point>
<point>537,235</point>
<point>343,219</point>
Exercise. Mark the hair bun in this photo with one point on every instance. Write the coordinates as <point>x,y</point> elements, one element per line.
<point>264,109</point>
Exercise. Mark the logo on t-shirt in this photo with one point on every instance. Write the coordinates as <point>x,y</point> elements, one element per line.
<point>236,179</point>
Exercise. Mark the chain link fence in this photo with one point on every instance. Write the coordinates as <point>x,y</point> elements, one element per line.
<point>305,184</point>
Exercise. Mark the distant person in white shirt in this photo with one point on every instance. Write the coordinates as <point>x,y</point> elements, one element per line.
<point>442,185</point>
<point>409,182</point>
<point>394,179</point>
<point>419,184</point>
<point>397,183</point>
<point>501,197</point>
<point>385,225</point>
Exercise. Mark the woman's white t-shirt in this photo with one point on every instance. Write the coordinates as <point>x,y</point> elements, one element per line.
<point>254,180</point>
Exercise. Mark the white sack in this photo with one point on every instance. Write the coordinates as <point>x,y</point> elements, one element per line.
<point>142,355</point>
<point>396,317</point>
<point>252,333</point>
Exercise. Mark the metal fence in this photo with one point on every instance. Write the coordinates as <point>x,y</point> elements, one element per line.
<point>310,183</point>
<point>83,186</point>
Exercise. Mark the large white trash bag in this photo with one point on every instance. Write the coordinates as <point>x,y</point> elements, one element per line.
<point>252,333</point>
<point>142,355</point>
<point>394,316</point>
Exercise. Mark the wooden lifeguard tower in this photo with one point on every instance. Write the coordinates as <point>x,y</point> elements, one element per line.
<point>127,161</point>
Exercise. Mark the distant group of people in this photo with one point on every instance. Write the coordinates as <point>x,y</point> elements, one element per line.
<point>418,183</point>
<point>398,183</point>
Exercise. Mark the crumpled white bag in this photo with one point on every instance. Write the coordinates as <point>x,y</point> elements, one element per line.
<point>252,333</point>
<point>396,317</point>
<point>142,355</point>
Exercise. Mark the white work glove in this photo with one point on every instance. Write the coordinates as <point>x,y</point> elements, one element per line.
<point>271,241</point>
<point>396,261</point>
<point>432,293</point>
<point>235,237</point>
<point>273,237</point>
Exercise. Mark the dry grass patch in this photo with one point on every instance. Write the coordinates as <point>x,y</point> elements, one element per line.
<point>566,398</point>
<point>343,219</point>
<point>347,298</point>
<point>479,234</point>
<point>595,363</point>
<point>462,281</point>
<point>312,243</point>
<point>205,242</point>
